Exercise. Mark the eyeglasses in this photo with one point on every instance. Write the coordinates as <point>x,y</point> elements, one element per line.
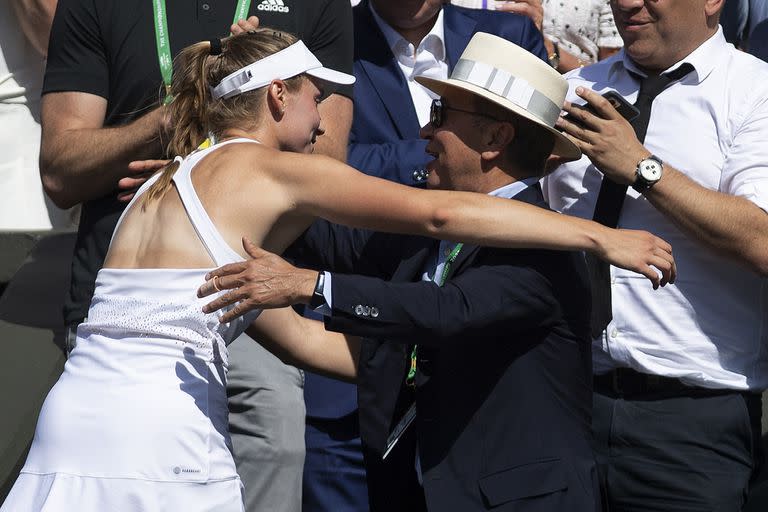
<point>437,113</point>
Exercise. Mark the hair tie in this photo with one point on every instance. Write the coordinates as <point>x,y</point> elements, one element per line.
<point>215,46</point>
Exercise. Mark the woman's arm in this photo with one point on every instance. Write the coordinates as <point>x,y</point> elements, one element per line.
<point>305,343</point>
<point>326,188</point>
<point>568,61</point>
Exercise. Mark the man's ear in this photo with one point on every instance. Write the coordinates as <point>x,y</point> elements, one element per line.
<point>713,7</point>
<point>276,94</point>
<point>713,10</point>
<point>496,137</point>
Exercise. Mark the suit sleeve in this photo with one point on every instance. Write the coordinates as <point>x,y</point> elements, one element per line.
<point>327,246</point>
<point>533,40</point>
<point>401,161</point>
<point>337,248</point>
<point>497,296</point>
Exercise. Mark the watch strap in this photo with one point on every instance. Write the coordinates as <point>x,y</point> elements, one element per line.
<point>641,184</point>
<point>318,298</point>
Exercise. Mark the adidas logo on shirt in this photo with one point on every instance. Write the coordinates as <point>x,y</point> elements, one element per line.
<point>273,5</point>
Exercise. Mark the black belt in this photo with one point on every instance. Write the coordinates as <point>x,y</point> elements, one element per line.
<point>626,382</point>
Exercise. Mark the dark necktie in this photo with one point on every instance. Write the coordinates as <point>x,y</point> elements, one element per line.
<point>611,198</point>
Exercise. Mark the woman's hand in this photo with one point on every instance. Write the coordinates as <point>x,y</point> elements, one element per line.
<point>639,251</point>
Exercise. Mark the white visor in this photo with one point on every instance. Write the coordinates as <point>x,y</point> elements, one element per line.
<point>287,63</point>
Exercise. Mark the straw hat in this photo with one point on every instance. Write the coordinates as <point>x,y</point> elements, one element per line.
<point>513,78</point>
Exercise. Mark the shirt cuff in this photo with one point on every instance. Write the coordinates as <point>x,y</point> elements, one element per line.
<point>326,307</point>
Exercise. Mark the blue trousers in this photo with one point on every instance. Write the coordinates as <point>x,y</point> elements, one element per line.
<point>334,475</point>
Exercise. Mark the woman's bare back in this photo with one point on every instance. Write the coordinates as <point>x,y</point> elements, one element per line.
<point>239,199</point>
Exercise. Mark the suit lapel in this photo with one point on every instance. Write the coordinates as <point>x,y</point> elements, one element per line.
<point>377,62</point>
<point>414,265</point>
<point>458,30</point>
<point>530,195</point>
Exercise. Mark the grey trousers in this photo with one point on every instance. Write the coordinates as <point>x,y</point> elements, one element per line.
<point>266,422</point>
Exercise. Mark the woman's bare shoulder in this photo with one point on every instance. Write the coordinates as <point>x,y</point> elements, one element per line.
<point>250,166</point>
<point>238,161</point>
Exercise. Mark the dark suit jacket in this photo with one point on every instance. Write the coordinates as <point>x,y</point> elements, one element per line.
<point>504,375</point>
<point>384,140</point>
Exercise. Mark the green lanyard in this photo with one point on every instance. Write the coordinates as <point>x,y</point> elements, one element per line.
<point>164,45</point>
<point>242,10</point>
<point>410,379</point>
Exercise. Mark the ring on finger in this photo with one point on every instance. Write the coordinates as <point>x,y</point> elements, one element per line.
<point>216,283</point>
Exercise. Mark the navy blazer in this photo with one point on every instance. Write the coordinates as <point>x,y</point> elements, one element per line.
<point>384,140</point>
<point>503,385</point>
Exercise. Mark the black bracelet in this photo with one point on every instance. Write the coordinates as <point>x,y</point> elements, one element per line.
<point>318,299</point>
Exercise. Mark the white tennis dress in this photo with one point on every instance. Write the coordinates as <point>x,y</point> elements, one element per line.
<point>138,419</point>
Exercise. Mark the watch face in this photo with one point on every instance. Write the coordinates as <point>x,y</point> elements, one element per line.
<point>650,170</point>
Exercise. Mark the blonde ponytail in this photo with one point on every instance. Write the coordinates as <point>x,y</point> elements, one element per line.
<point>194,113</point>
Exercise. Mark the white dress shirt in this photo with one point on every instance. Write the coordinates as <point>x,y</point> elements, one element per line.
<point>426,59</point>
<point>710,328</point>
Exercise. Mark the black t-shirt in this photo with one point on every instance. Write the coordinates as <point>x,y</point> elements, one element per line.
<point>108,48</point>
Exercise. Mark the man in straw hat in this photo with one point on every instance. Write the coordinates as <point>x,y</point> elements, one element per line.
<point>493,344</point>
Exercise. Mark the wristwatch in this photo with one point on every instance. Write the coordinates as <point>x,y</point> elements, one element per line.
<point>648,173</point>
<point>554,59</point>
<point>318,298</point>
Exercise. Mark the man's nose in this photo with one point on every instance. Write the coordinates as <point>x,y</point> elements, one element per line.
<point>627,5</point>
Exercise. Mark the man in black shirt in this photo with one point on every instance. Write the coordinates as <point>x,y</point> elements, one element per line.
<point>99,113</point>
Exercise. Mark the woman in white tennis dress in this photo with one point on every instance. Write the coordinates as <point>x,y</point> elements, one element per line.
<point>138,420</point>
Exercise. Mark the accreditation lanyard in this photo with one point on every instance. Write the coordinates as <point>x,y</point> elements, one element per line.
<point>164,44</point>
<point>411,378</point>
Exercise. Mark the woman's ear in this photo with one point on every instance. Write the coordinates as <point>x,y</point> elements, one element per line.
<point>276,94</point>
<point>496,137</point>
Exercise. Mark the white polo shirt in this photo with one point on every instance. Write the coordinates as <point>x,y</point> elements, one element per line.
<point>710,328</point>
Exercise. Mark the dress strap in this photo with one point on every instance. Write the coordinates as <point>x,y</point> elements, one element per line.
<point>209,235</point>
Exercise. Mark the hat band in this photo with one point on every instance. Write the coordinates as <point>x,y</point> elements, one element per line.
<point>284,64</point>
<point>504,84</point>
